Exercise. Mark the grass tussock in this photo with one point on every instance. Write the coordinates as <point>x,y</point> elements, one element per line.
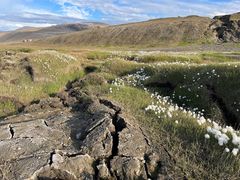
<point>198,58</point>
<point>51,72</point>
<point>7,107</point>
<point>98,55</point>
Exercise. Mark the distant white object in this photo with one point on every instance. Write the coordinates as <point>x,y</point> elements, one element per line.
<point>27,40</point>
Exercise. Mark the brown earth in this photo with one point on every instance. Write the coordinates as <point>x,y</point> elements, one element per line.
<point>41,33</point>
<point>151,33</point>
<point>159,32</point>
<point>78,136</point>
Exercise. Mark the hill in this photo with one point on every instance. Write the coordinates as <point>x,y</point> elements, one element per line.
<point>154,32</point>
<point>2,33</point>
<point>158,32</point>
<point>27,33</point>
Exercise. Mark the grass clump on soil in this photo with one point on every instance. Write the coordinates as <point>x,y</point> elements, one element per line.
<point>98,55</point>
<point>196,157</point>
<point>51,71</point>
<point>198,58</point>
<point>169,58</point>
<point>203,88</point>
<point>7,107</point>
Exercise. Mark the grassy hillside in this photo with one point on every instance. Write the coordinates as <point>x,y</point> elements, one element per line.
<point>39,33</point>
<point>169,31</point>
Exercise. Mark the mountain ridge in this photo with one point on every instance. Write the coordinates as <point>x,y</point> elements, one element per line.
<point>158,32</point>
<point>35,33</point>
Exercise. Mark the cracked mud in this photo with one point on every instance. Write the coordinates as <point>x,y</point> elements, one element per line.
<point>53,139</point>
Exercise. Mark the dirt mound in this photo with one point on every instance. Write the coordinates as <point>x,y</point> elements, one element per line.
<point>77,136</point>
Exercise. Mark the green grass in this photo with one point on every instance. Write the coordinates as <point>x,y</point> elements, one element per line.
<point>206,57</point>
<point>120,67</point>
<point>25,50</point>
<point>55,87</point>
<point>196,157</point>
<point>7,107</point>
<point>191,83</point>
<point>52,71</point>
<point>169,58</point>
<point>98,55</point>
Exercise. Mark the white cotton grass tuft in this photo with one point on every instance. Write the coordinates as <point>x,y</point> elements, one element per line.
<point>227,150</point>
<point>164,109</point>
<point>110,90</point>
<point>207,136</point>
<point>235,151</point>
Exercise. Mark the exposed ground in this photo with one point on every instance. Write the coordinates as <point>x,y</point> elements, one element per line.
<point>175,31</point>
<point>180,31</point>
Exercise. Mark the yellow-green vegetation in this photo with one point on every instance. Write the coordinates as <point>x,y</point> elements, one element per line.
<point>208,57</point>
<point>98,55</point>
<point>36,74</point>
<point>7,107</point>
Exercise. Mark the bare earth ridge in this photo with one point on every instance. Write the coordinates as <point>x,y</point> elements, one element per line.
<point>68,138</point>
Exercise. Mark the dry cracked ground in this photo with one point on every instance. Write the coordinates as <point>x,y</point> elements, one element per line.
<point>77,136</point>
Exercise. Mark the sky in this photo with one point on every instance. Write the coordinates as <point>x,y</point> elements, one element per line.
<point>40,13</point>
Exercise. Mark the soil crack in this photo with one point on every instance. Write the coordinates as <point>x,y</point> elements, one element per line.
<point>51,157</point>
<point>119,125</point>
<point>229,117</point>
<point>11,130</point>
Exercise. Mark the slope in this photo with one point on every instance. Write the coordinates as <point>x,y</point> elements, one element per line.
<point>39,33</point>
<point>178,30</point>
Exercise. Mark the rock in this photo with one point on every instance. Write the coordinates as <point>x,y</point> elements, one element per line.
<point>79,167</point>
<point>98,139</point>
<point>10,53</point>
<point>227,27</point>
<point>152,163</point>
<point>128,168</point>
<point>52,139</point>
<point>103,171</point>
<point>49,103</point>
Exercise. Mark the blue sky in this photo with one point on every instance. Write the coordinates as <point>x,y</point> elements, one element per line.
<point>18,13</point>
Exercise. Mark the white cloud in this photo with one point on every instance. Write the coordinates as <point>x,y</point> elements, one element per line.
<point>75,12</point>
<point>21,14</point>
<point>110,11</point>
<point>135,10</point>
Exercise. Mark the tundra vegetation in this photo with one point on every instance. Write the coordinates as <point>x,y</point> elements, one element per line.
<point>188,103</point>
